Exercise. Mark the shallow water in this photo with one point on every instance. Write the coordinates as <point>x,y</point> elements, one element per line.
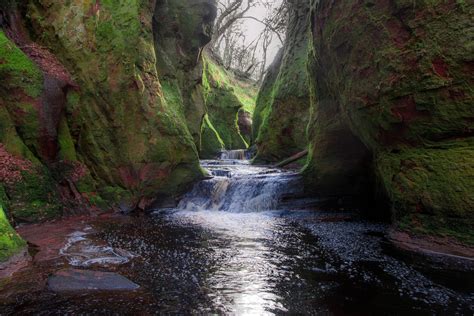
<point>241,243</point>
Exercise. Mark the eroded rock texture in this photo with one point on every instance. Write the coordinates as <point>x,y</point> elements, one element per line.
<point>181,29</point>
<point>392,91</point>
<point>89,116</point>
<point>282,110</point>
<point>229,101</point>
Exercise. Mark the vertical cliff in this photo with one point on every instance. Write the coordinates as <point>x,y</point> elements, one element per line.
<point>181,30</point>
<point>392,95</point>
<point>89,116</point>
<point>229,101</point>
<point>282,110</point>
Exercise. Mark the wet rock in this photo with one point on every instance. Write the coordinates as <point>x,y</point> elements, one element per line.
<point>72,280</point>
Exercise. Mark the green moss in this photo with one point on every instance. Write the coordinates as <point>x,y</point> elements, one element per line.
<point>67,149</point>
<point>225,96</point>
<point>20,87</point>
<point>115,194</point>
<point>86,184</point>
<point>398,77</point>
<point>18,68</point>
<point>282,111</point>
<point>10,242</point>
<point>121,118</point>
<point>98,201</point>
<point>211,142</point>
<point>27,121</point>
<point>10,139</point>
<point>435,181</point>
<point>34,198</point>
<point>181,178</point>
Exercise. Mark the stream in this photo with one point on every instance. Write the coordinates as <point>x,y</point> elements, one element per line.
<point>247,242</point>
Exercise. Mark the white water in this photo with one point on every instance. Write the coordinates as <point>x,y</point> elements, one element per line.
<point>241,188</point>
<point>242,243</point>
<point>238,154</point>
<point>81,251</point>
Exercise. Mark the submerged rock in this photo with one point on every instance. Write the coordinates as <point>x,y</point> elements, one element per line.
<point>73,280</point>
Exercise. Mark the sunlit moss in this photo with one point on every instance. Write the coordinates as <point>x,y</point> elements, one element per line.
<point>18,69</point>
<point>225,96</point>
<point>10,242</point>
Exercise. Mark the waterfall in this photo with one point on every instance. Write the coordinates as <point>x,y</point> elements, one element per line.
<point>239,154</point>
<point>241,188</point>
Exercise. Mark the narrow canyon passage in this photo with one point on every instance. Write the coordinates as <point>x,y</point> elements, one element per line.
<point>237,157</point>
<point>234,245</point>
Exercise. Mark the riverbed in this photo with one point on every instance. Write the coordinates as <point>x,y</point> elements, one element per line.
<point>246,242</point>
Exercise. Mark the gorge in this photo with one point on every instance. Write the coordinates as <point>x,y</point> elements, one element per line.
<point>128,147</point>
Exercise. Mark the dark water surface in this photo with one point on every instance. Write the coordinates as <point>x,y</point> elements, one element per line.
<point>233,246</point>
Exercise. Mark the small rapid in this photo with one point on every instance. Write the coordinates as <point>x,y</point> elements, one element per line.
<point>247,242</point>
<point>238,187</point>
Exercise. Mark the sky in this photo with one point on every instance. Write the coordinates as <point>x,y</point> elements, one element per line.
<point>254,28</point>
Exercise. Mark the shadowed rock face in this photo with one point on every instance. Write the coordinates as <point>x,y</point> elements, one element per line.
<point>282,110</point>
<point>245,124</point>
<point>392,84</point>
<point>181,29</point>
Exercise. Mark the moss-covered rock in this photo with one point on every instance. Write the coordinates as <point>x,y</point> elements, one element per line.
<point>126,128</point>
<point>226,97</point>
<point>211,142</point>
<point>181,29</point>
<point>84,117</point>
<point>10,242</point>
<point>25,179</point>
<point>392,84</point>
<point>282,111</point>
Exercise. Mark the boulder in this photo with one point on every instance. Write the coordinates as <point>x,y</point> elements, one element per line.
<point>73,280</point>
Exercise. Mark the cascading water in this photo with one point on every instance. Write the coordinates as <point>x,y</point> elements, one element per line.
<point>238,154</point>
<point>246,242</point>
<point>241,188</point>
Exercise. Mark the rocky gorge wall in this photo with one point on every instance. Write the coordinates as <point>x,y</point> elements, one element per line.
<point>282,107</point>
<point>391,116</point>
<point>392,95</point>
<point>89,114</point>
<point>230,102</point>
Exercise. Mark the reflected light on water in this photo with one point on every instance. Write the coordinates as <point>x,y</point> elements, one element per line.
<point>244,282</point>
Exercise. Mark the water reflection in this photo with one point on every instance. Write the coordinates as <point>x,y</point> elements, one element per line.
<point>242,255</point>
<point>245,281</point>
